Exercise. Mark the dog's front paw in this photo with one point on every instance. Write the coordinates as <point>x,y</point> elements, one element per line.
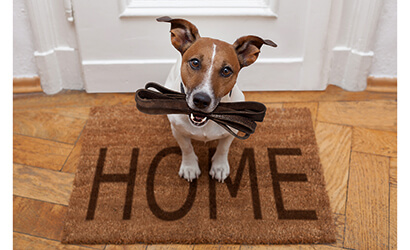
<point>219,170</point>
<point>189,170</point>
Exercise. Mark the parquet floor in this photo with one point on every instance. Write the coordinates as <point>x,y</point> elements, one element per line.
<point>356,133</point>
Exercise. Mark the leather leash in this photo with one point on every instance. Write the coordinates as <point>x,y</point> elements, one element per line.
<point>241,116</point>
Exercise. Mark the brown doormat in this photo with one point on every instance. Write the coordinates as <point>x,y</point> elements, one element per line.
<point>127,189</point>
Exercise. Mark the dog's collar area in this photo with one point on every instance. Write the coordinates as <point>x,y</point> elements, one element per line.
<point>241,116</point>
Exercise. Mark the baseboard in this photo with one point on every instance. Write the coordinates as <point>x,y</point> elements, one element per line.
<point>26,85</point>
<point>382,84</point>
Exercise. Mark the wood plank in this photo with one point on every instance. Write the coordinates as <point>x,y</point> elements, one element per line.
<point>382,84</point>
<point>229,247</point>
<point>266,247</point>
<point>332,93</point>
<point>39,152</point>
<point>42,184</point>
<point>393,171</point>
<point>126,247</point>
<point>367,211</point>
<point>393,204</point>
<point>171,247</point>
<point>65,98</point>
<point>374,142</point>
<point>38,218</point>
<point>73,159</point>
<point>340,220</point>
<point>334,142</point>
<point>393,218</point>
<point>26,85</point>
<point>289,247</point>
<point>23,241</point>
<point>274,105</point>
<point>312,106</point>
<point>71,98</point>
<point>206,247</point>
<point>75,112</point>
<point>381,115</point>
<point>56,127</point>
<point>325,247</point>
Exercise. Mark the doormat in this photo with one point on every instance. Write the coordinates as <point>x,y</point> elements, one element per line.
<point>127,189</point>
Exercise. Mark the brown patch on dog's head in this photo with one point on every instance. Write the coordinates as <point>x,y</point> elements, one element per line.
<point>214,57</point>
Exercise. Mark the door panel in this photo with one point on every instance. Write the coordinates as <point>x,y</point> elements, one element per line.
<point>123,47</point>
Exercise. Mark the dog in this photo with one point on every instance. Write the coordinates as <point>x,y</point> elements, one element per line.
<point>206,72</point>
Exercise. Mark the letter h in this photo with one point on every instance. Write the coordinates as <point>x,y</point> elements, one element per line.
<point>100,177</point>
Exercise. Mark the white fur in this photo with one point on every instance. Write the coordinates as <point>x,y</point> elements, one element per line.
<point>183,130</point>
<point>206,86</point>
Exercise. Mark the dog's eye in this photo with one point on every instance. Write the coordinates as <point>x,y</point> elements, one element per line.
<point>194,63</point>
<point>226,71</point>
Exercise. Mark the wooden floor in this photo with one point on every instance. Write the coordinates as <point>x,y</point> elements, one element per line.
<point>356,133</point>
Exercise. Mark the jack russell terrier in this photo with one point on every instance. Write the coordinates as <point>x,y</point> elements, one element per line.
<point>206,72</point>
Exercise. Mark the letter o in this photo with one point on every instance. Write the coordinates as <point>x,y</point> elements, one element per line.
<point>152,203</point>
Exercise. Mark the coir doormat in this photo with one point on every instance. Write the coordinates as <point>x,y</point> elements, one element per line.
<point>127,189</point>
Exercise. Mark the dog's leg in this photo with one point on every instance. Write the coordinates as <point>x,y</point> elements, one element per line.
<point>189,166</point>
<point>220,165</point>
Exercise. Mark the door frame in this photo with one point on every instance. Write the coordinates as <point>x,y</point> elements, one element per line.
<point>56,51</point>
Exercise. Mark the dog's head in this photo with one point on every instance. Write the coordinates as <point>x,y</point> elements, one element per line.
<point>209,66</point>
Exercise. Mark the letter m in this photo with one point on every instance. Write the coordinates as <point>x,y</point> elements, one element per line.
<point>248,155</point>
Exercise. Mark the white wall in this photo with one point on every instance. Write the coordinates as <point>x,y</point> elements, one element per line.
<point>384,61</point>
<point>385,46</point>
<point>23,48</point>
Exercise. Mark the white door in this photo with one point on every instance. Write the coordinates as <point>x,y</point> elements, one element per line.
<point>122,46</point>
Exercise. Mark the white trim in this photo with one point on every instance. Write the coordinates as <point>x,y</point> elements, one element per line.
<point>40,14</point>
<point>132,8</point>
<point>58,65</point>
<point>352,55</point>
<point>68,6</point>
<point>353,51</point>
<point>316,34</point>
<point>332,34</point>
<point>51,51</point>
<point>350,68</point>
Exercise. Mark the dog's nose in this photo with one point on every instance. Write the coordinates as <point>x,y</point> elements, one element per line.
<point>202,100</point>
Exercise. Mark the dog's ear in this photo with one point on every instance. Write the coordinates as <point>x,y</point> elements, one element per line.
<point>183,33</point>
<point>247,49</point>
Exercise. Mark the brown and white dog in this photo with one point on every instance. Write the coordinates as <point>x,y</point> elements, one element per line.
<point>207,73</point>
